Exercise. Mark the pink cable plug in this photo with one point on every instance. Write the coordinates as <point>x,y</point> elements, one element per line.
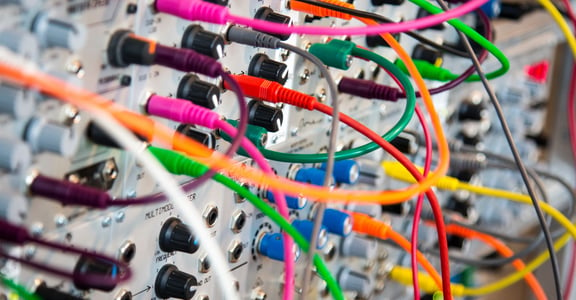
<point>190,113</point>
<point>181,111</point>
<point>280,200</point>
<point>196,10</point>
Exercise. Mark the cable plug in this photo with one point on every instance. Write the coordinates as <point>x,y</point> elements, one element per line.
<point>178,164</point>
<point>194,10</point>
<point>125,48</point>
<point>397,171</point>
<point>362,223</point>
<point>247,36</point>
<point>428,70</point>
<point>13,233</point>
<point>335,53</point>
<point>69,193</point>
<point>403,275</point>
<point>368,89</point>
<point>256,134</point>
<point>271,91</point>
<point>181,111</point>
<point>321,11</point>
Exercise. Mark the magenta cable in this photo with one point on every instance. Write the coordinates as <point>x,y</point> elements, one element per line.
<point>189,113</point>
<point>280,200</point>
<point>420,199</point>
<point>196,10</point>
<point>419,203</point>
<point>571,107</point>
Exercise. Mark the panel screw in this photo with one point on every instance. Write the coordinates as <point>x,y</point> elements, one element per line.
<point>107,221</point>
<point>60,220</point>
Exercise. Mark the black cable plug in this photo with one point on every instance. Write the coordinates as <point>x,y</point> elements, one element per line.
<point>253,38</point>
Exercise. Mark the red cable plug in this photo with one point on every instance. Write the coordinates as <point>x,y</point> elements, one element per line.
<point>271,91</point>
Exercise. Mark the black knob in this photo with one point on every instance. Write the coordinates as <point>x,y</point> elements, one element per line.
<point>219,2</point>
<point>176,236</point>
<point>463,207</point>
<point>267,14</point>
<point>262,66</point>
<point>390,2</point>
<point>422,53</point>
<point>470,134</point>
<point>376,40</point>
<point>171,283</point>
<point>394,209</point>
<point>100,137</point>
<point>87,265</point>
<point>199,92</point>
<point>265,116</point>
<point>406,143</point>
<point>203,41</point>
<point>48,293</point>
<point>424,13</point>
<point>206,139</point>
<point>125,49</point>
<point>470,111</point>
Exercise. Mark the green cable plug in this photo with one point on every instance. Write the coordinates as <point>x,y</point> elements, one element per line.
<point>335,53</point>
<point>256,134</point>
<point>428,70</point>
<point>20,290</point>
<point>438,296</point>
<point>177,163</point>
<point>475,36</point>
<point>171,160</point>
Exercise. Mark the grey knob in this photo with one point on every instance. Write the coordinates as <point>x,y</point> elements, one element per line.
<point>16,101</point>
<point>13,207</point>
<point>27,4</point>
<point>53,32</point>
<point>356,246</point>
<point>22,42</point>
<point>14,154</point>
<point>45,136</point>
<point>371,173</point>
<point>354,281</point>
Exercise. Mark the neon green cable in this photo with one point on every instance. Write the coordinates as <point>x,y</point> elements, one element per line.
<point>475,36</point>
<point>369,147</point>
<point>179,164</point>
<point>18,289</point>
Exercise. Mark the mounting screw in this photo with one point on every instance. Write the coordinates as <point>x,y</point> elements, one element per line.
<point>131,8</point>
<point>120,216</point>
<point>305,76</point>
<point>60,220</point>
<point>106,221</point>
<point>29,251</point>
<point>74,66</point>
<point>125,80</point>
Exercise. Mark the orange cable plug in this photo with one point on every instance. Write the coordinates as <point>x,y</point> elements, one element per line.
<point>320,11</point>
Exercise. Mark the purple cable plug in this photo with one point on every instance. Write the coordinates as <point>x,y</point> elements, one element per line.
<point>194,10</point>
<point>13,233</point>
<point>368,89</point>
<point>19,235</point>
<point>181,111</point>
<point>69,193</point>
<point>187,60</point>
